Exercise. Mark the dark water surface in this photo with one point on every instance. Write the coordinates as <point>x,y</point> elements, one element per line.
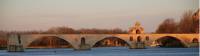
<point>106,51</point>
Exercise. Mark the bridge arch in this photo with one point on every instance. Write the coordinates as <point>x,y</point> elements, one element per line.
<point>3,43</point>
<point>117,40</point>
<point>170,41</point>
<point>41,38</point>
<point>195,40</point>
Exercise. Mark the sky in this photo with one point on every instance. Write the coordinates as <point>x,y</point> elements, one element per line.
<point>26,15</point>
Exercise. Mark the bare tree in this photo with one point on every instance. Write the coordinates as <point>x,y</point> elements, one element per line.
<point>168,26</point>
<point>189,23</point>
<point>61,30</point>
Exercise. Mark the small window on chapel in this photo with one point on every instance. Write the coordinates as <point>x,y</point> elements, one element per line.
<point>139,39</point>
<point>131,38</point>
<point>138,32</point>
<point>147,38</point>
<point>82,40</point>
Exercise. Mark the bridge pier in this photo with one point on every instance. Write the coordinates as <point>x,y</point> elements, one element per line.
<point>83,45</point>
<point>137,45</point>
<point>15,48</point>
<point>140,45</point>
<point>14,43</point>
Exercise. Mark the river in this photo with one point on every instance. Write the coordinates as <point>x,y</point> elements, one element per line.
<point>106,51</point>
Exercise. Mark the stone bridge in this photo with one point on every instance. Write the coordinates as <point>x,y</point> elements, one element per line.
<point>87,41</point>
<point>135,39</point>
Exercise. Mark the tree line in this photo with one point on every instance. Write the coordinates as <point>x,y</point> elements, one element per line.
<point>189,23</point>
<point>68,30</point>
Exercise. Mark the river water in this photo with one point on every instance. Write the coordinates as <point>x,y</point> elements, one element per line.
<point>106,51</point>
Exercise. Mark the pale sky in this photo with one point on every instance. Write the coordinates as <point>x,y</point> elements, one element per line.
<point>23,15</point>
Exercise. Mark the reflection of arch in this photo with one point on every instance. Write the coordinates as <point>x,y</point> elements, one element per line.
<point>169,41</point>
<point>195,40</point>
<point>110,40</point>
<point>49,42</point>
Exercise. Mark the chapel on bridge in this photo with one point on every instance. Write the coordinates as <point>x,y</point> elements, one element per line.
<point>136,29</point>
